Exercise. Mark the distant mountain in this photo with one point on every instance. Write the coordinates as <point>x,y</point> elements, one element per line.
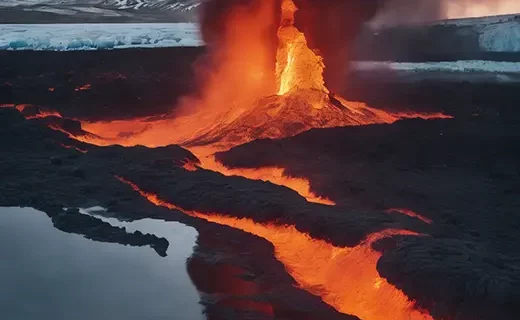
<point>49,11</point>
<point>175,5</point>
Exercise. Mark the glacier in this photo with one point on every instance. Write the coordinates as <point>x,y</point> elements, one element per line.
<point>443,66</point>
<point>99,36</point>
<point>495,33</point>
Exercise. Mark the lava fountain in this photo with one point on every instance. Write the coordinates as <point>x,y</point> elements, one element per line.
<point>226,117</point>
<point>300,102</point>
<point>344,277</point>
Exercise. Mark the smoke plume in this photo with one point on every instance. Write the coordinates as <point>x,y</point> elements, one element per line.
<point>246,29</point>
<point>395,12</point>
<point>329,25</point>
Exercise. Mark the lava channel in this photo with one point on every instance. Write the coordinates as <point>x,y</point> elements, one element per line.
<point>410,213</point>
<point>274,175</point>
<point>344,277</point>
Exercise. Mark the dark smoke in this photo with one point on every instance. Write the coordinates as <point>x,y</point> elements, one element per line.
<point>330,27</point>
<point>418,11</point>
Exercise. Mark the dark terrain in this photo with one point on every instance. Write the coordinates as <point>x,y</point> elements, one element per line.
<point>140,82</point>
<point>448,40</point>
<point>462,173</point>
<point>123,83</point>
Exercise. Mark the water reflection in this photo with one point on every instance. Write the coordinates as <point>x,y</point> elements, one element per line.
<point>48,274</point>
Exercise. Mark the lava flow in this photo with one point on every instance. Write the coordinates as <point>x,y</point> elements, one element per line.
<point>274,175</point>
<point>299,102</point>
<point>410,213</point>
<point>344,277</point>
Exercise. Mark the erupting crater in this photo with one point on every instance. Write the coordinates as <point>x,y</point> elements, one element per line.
<point>300,101</point>
<point>344,277</point>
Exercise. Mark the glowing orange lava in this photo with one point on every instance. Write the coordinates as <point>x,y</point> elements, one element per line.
<point>45,114</point>
<point>272,174</point>
<point>73,147</point>
<point>190,165</point>
<point>226,117</point>
<point>344,277</point>
<point>410,213</point>
<point>297,66</point>
<point>85,87</point>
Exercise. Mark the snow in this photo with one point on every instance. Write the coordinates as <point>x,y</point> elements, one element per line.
<point>63,37</point>
<point>447,66</point>
<point>67,12</point>
<point>180,5</point>
<point>496,33</point>
<point>503,37</point>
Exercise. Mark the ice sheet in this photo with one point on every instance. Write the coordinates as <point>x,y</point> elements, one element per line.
<point>63,37</point>
<point>447,66</point>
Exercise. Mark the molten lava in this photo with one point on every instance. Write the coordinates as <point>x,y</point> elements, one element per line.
<point>345,278</point>
<point>272,174</point>
<point>297,66</point>
<point>226,117</point>
<point>44,114</point>
<point>410,213</point>
<point>85,87</point>
<point>73,147</point>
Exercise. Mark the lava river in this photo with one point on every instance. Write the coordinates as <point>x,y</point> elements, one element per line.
<point>344,277</point>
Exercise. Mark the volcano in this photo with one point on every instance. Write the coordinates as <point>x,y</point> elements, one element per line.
<point>308,205</point>
<point>228,116</point>
<point>289,114</point>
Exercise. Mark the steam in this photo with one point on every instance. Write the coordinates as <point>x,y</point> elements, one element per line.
<point>395,12</point>
<point>241,36</point>
<point>329,26</point>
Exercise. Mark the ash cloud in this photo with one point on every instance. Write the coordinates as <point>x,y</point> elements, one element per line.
<point>332,25</point>
<point>395,12</point>
<point>329,25</point>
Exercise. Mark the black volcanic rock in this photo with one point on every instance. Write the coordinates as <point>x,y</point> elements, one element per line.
<point>72,221</point>
<point>29,179</point>
<point>461,173</point>
<point>124,83</point>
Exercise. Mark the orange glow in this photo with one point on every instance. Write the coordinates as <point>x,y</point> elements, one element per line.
<point>344,277</point>
<point>45,114</point>
<point>297,66</point>
<point>272,174</point>
<point>421,115</point>
<point>40,114</point>
<point>21,107</point>
<point>469,9</point>
<point>85,87</point>
<point>73,147</point>
<point>153,198</point>
<point>410,213</point>
<point>228,115</point>
<point>51,89</point>
<point>190,165</point>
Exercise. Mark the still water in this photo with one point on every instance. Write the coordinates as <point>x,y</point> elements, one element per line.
<point>48,274</point>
